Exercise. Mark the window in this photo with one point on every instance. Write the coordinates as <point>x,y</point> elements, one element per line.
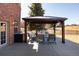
<point>3,33</point>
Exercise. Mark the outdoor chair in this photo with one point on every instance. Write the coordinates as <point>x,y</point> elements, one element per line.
<point>40,38</point>
<point>51,38</point>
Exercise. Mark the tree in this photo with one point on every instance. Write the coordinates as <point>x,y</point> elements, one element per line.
<point>36,10</point>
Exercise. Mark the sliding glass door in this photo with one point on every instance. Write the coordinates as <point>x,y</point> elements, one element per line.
<point>3,33</point>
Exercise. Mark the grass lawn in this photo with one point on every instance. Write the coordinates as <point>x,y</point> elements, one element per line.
<point>73,38</point>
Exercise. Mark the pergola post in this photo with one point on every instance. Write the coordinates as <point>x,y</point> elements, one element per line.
<point>54,32</point>
<point>63,32</point>
<point>25,32</point>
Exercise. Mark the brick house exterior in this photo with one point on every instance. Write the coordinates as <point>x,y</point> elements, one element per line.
<point>10,13</point>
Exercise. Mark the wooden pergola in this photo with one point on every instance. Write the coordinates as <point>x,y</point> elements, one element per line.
<point>46,20</point>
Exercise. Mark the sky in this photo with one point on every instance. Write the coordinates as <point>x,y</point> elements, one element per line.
<point>68,10</point>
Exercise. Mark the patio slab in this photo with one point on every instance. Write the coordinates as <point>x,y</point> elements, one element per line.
<point>21,49</point>
<point>58,49</point>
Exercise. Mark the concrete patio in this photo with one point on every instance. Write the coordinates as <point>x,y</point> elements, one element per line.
<point>58,49</point>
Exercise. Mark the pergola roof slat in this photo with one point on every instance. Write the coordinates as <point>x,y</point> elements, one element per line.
<point>44,19</point>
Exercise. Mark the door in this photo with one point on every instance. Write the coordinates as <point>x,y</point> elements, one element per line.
<point>3,33</point>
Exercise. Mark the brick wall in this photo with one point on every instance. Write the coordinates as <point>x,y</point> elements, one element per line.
<point>9,12</point>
